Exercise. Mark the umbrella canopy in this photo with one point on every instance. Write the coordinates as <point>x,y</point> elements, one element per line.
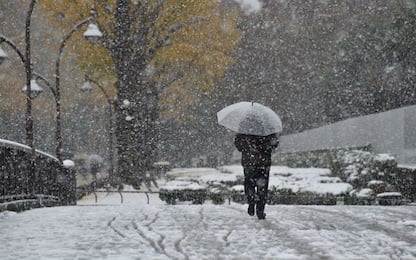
<point>250,118</point>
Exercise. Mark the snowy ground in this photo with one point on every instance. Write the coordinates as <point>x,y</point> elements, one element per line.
<point>137,230</point>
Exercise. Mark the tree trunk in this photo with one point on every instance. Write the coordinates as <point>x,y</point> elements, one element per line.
<point>132,138</point>
<point>136,127</point>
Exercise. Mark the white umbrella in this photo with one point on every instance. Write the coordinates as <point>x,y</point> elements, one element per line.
<point>250,118</point>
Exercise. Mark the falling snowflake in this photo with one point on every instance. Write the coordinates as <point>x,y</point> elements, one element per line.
<point>126,103</point>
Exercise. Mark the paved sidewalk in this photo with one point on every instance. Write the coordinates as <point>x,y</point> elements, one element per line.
<point>137,230</point>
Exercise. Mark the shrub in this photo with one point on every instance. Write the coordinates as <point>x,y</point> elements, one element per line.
<point>288,197</point>
<point>237,194</point>
<point>218,193</point>
<point>217,198</point>
<point>356,166</point>
<point>360,168</point>
<point>172,196</point>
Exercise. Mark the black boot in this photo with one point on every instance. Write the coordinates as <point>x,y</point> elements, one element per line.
<point>261,215</point>
<point>260,210</point>
<point>250,209</point>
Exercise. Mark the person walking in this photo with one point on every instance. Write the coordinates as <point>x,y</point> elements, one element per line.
<point>256,160</point>
<point>257,129</point>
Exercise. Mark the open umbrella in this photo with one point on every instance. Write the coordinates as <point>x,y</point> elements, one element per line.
<point>250,118</point>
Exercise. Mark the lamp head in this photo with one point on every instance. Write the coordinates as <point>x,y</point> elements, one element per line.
<point>3,56</point>
<point>35,89</point>
<point>93,34</point>
<point>86,87</point>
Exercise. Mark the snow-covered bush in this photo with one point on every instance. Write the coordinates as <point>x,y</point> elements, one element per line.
<point>287,196</point>
<point>175,191</point>
<point>318,159</point>
<point>362,168</point>
<point>218,193</point>
<point>217,183</point>
<point>358,167</point>
<point>286,185</point>
<point>377,186</point>
<point>405,181</point>
<point>365,196</point>
<point>281,196</point>
<point>237,194</point>
<point>390,198</point>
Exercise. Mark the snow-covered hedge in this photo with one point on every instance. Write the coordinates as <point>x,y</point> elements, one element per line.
<point>361,168</point>
<point>287,196</point>
<point>181,190</point>
<point>287,185</point>
<point>194,192</point>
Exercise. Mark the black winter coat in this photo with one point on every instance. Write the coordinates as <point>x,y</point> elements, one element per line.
<point>256,150</point>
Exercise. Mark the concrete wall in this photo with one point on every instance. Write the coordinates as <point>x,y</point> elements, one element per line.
<point>391,132</point>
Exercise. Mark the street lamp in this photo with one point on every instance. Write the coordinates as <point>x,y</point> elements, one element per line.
<point>26,59</point>
<point>57,83</point>
<point>93,34</point>
<point>86,87</point>
<point>35,89</point>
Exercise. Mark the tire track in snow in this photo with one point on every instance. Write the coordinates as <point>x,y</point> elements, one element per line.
<point>190,222</point>
<point>161,236</point>
<point>147,232</point>
<point>292,242</point>
<point>178,246</point>
<point>201,220</point>
<point>118,232</point>
<point>149,240</point>
<point>97,243</point>
<point>225,238</point>
<point>177,243</point>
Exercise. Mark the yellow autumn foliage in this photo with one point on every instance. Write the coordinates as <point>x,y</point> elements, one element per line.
<point>193,60</point>
<point>94,59</point>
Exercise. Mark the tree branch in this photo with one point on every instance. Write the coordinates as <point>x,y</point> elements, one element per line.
<point>175,28</point>
<point>146,24</point>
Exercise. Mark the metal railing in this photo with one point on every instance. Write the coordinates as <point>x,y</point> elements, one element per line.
<point>121,194</point>
<point>49,178</point>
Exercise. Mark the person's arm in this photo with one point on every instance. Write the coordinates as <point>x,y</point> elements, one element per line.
<point>274,141</point>
<point>238,142</point>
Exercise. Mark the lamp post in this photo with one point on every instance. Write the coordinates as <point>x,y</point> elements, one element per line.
<point>26,59</point>
<point>58,80</point>
<point>86,87</point>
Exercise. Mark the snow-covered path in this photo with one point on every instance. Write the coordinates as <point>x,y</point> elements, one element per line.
<point>136,230</point>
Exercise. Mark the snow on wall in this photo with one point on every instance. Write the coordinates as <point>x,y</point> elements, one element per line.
<point>387,132</point>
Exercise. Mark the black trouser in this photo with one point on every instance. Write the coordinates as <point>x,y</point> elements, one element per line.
<point>256,184</point>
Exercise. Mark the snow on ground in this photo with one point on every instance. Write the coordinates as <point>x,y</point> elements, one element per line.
<point>137,230</point>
